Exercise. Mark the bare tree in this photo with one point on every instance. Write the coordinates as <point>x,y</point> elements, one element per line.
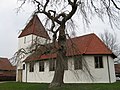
<point>111,42</point>
<point>59,12</point>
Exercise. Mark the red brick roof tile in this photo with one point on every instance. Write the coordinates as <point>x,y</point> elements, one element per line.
<point>88,45</point>
<point>35,27</point>
<point>6,65</point>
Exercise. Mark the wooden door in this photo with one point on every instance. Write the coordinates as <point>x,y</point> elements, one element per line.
<point>19,75</point>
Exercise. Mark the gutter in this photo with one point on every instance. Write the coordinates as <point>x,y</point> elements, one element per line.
<point>109,76</point>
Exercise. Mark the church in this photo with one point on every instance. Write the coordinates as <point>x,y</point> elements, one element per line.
<point>91,61</point>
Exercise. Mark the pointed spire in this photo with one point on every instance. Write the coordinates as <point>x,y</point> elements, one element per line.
<point>35,27</point>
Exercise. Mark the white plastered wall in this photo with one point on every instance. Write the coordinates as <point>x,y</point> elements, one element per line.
<point>100,75</point>
<point>24,44</point>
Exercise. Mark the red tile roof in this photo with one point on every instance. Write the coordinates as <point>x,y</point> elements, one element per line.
<point>35,27</point>
<point>88,45</point>
<point>6,65</point>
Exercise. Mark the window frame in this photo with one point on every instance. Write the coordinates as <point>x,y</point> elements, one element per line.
<point>98,62</point>
<point>25,38</point>
<point>31,66</point>
<point>23,66</point>
<point>52,65</point>
<point>78,63</point>
<point>41,66</point>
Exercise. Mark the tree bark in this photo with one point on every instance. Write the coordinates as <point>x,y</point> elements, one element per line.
<point>59,71</point>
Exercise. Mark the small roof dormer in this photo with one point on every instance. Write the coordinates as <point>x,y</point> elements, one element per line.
<point>34,27</point>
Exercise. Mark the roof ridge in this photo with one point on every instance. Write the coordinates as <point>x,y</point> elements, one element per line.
<point>83,35</point>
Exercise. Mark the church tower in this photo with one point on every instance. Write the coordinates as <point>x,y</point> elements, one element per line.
<point>34,30</point>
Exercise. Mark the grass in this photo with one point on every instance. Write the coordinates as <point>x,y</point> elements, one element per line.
<point>37,86</point>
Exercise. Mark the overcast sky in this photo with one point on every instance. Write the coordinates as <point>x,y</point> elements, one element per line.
<point>11,23</point>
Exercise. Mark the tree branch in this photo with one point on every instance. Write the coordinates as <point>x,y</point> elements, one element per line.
<point>74,8</point>
<point>115,4</point>
<point>48,14</point>
<point>47,1</point>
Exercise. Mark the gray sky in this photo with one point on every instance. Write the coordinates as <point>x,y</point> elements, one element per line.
<point>11,23</point>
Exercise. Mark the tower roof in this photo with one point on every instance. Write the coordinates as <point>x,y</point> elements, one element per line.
<point>34,27</point>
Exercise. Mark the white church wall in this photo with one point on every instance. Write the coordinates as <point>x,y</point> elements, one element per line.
<point>25,42</point>
<point>100,75</point>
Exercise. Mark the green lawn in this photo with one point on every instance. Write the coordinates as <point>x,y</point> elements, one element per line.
<point>37,86</point>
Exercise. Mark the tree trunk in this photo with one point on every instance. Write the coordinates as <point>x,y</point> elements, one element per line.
<point>59,71</point>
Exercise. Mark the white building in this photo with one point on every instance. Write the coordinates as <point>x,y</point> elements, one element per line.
<point>84,53</point>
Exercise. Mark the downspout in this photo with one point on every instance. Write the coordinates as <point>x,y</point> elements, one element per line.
<point>26,72</point>
<point>108,70</point>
